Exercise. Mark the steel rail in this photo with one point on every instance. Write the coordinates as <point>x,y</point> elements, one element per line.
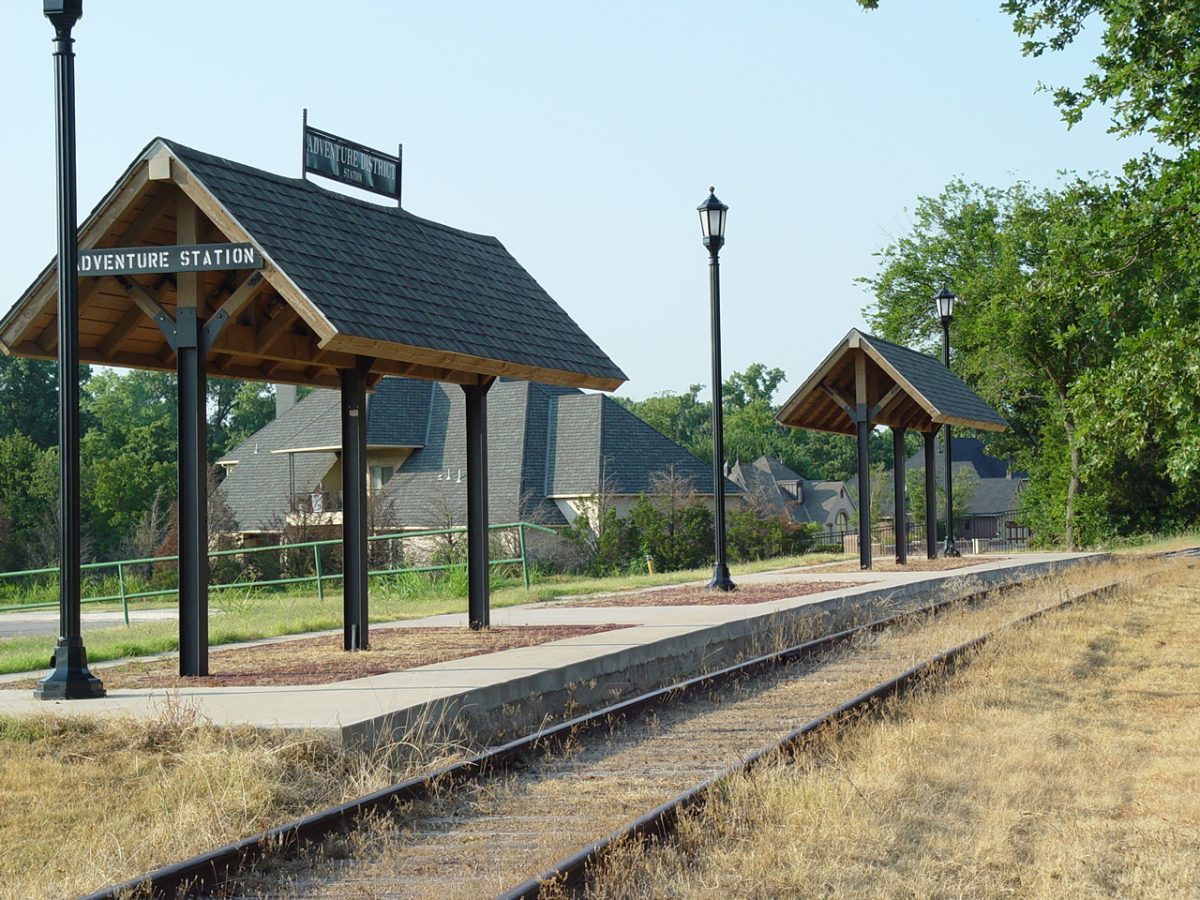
<point>661,821</point>
<point>209,869</point>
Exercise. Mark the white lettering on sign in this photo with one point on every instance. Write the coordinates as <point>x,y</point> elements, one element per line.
<point>155,260</point>
<point>328,155</point>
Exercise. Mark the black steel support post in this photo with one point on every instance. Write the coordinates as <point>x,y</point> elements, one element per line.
<point>949,549</point>
<point>478,576</point>
<point>720,580</point>
<point>862,421</point>
<point>69,678</point>
<point>930,495</point>
<point>898,491</point>
<point>192,375</point>
<point>864,488</point>
<point>354,506</point>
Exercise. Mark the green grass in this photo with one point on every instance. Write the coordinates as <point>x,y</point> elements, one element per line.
<point>247,614</point>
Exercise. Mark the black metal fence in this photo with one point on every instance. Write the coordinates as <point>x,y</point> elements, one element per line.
<point>1000,532</point>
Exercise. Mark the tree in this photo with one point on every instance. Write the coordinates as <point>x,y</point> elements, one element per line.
<point>1146,72</point>
<point>674,522</point>
<point>1044,302</point>
<point>129,453</point>
<point>236,409</point>
<point>28,498</point>
<point>29,399</point>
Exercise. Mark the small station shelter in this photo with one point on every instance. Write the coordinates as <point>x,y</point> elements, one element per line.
<point>300,285</point>
<point>866,381</point>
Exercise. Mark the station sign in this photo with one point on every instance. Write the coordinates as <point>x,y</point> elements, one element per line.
<point>177,258</point>
<point>350,163</point>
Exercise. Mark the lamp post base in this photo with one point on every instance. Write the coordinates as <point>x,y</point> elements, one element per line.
<point>70,679</point>
<point>720,580</point>
<point>948,549</point>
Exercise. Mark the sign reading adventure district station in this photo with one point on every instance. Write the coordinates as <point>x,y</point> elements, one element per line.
<point>156,260</point>
<point>334,157</point>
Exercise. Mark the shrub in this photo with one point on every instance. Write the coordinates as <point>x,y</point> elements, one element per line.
<point>678,536</point>
<point>752,535</point>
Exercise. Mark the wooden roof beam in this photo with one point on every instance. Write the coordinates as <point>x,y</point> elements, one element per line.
<point>885,401</point>
<point>275,329</point>
<point>147,304</point>
<point>88,286</point>
<point>121,330</point>
<point>841,400</point>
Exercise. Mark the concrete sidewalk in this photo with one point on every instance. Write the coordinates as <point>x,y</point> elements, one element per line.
<point>517,688</point>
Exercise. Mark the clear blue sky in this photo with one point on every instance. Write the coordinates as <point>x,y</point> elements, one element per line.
<point>583,136</point>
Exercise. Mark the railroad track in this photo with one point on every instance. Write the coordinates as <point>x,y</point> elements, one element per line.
<point>536,805</point>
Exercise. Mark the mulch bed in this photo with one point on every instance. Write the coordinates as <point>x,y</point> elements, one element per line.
<point>321,660</point>
<point>915,565</point>
<point>699,596</point>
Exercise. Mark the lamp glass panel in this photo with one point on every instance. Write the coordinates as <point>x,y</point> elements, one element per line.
<point>718,222</point>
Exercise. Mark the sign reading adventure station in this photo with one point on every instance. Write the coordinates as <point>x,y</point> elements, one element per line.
<point>180,258</point>
<point>337,158</point>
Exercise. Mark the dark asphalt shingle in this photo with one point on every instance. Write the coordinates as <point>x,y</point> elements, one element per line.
<point>381,273</point>
<point>941,387</point>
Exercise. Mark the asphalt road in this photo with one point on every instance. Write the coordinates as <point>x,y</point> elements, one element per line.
<point>45,621</point>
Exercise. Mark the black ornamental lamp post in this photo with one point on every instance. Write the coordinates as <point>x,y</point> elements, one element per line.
<point>945,301</point>
<point>70,678</point>
<point>712,226</point>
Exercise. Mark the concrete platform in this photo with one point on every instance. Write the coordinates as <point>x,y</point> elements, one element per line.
<point>495,694</point>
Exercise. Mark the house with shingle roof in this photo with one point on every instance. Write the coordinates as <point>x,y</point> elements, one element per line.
<point>769,484</point>
<point>987,485</point>
<point>551,450</point>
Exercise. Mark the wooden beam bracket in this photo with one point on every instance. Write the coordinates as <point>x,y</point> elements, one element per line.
<point>841,400</point>
<point>151,308</point>
<point>884,401</point>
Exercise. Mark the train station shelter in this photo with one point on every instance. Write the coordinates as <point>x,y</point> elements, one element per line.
<point>203,266</point>
<point>866,381</point>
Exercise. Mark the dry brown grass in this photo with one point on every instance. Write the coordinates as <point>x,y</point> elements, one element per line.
<point>1061,763</point>
<point>86,802</point>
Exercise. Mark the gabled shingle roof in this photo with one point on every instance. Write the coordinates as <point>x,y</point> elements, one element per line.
<point>382,274</point>
<point>602,447</point>
<point>543,441</point>
<point>905,389</point>
<point>344,283</point>
<point>936,383</point>
<point>397,416</point>
<point>257,488</point>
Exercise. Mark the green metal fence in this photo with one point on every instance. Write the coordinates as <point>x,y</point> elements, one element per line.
<point>318,576</point>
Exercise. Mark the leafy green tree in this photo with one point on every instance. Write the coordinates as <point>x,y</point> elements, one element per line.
<point>28,494</point>
<point>236,409</point>
<point>674,523</point>
<point>1044,295</point>
<point>1146,72</point>
<point>29,399</point>
<point>129,454</point>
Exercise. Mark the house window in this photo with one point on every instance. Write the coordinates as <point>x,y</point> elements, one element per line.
<point>381,475</point>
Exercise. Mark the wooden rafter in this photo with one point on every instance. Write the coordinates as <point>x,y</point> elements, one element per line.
<point>121,330</point>
<point>275,329</point>
<point>142,299</point>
